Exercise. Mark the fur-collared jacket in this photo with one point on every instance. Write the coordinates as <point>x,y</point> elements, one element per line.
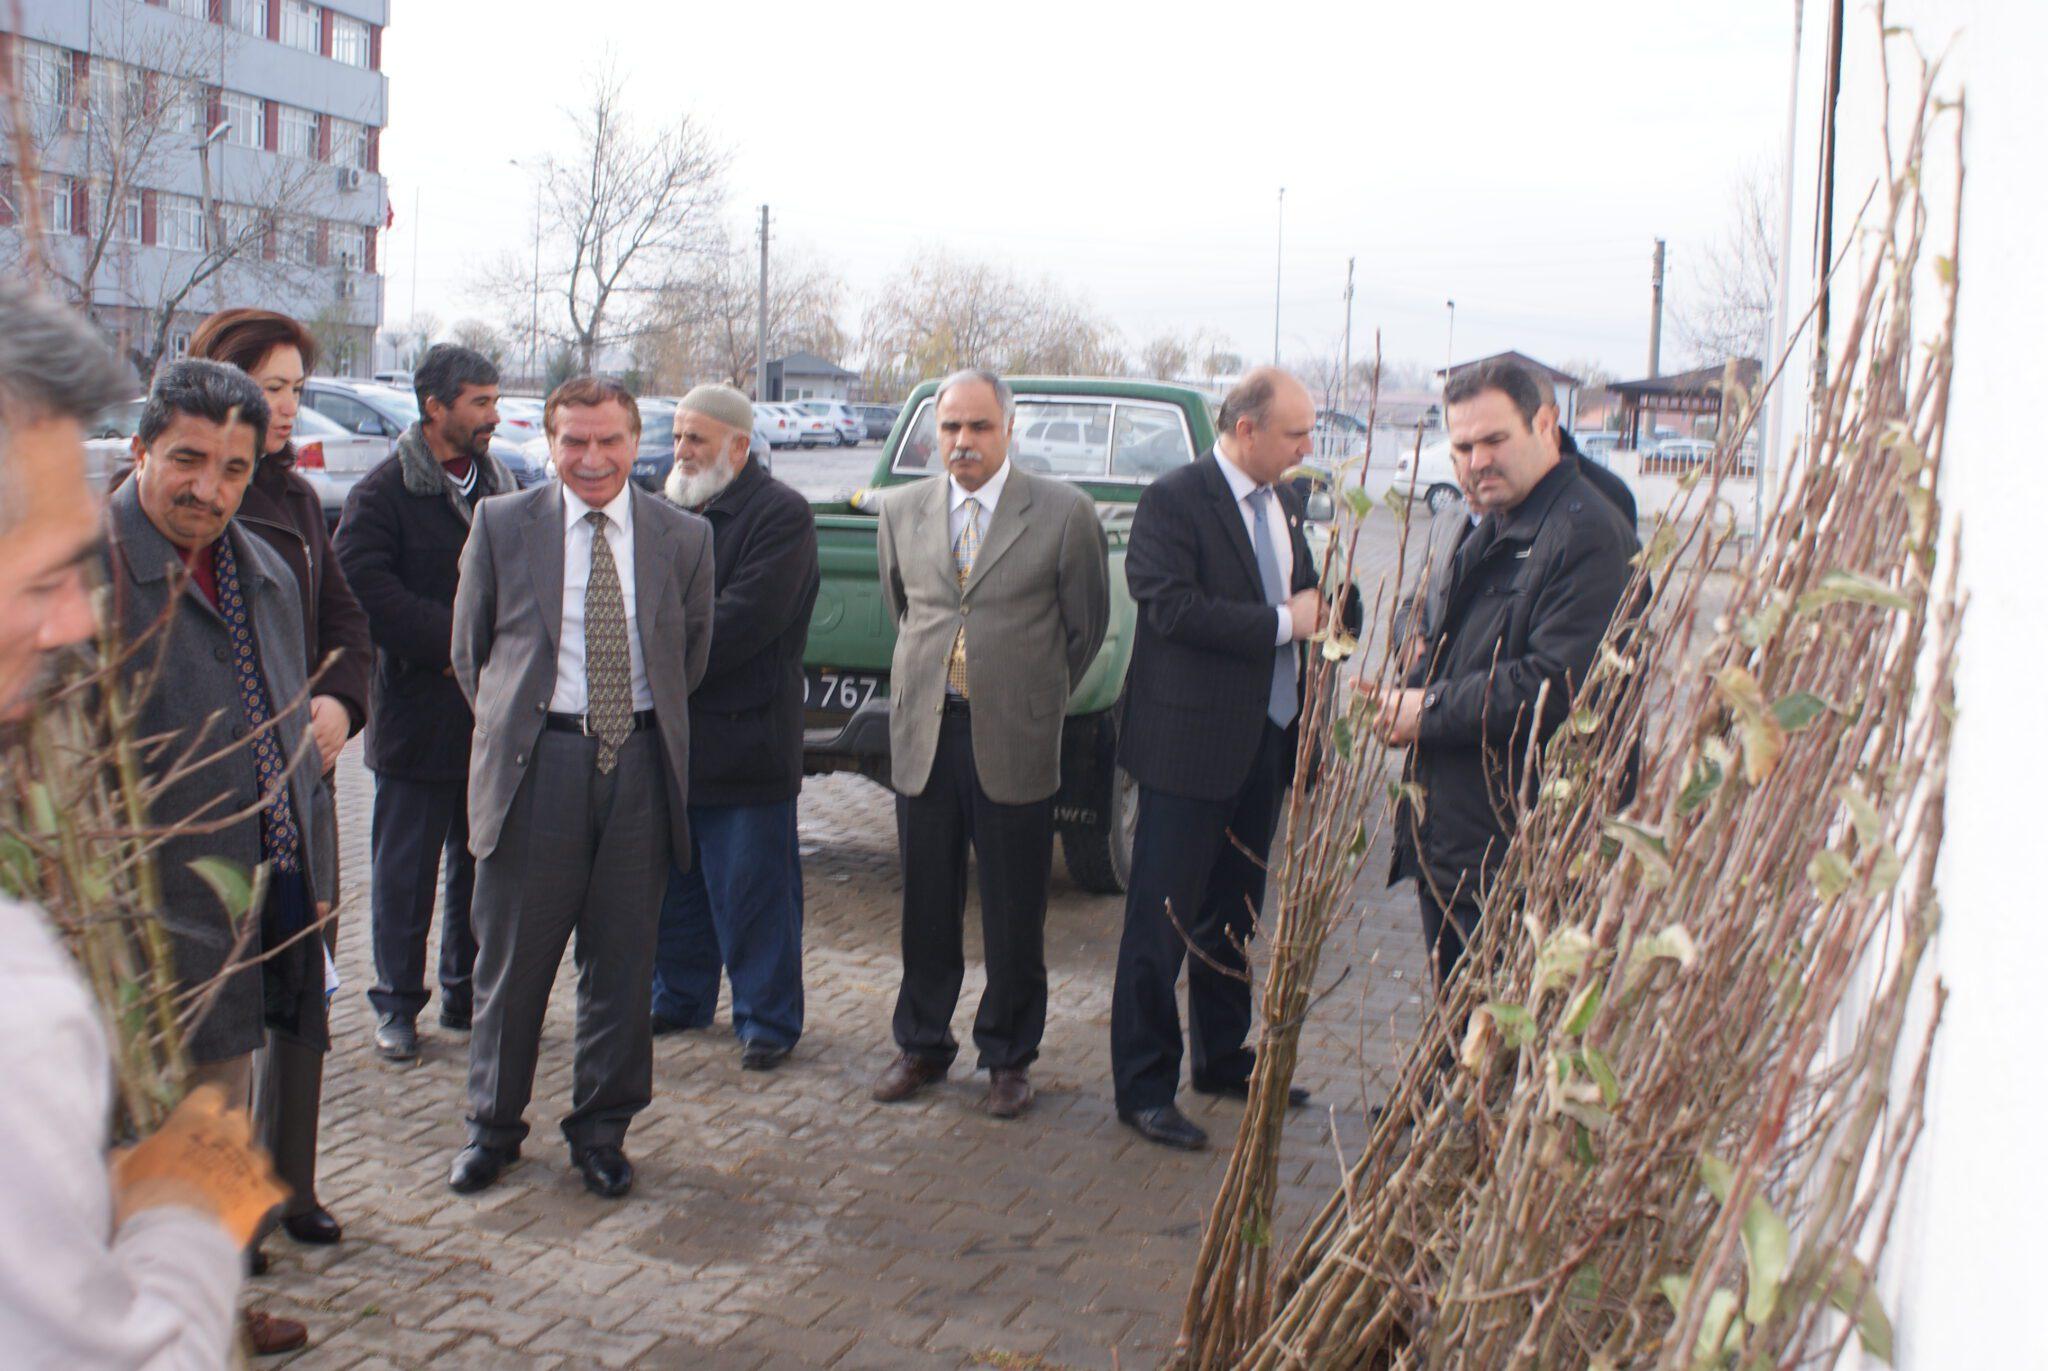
<point>400,545</point>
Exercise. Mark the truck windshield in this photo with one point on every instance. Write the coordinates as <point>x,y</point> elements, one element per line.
<point>1075,438</point>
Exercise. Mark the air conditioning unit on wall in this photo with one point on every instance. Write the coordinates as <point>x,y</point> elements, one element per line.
<point>349,178</point>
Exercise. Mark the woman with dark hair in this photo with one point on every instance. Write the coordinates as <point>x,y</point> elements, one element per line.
<point>284,510</point>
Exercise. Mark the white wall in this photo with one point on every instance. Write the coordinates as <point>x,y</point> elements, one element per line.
<point>1968,1280</point>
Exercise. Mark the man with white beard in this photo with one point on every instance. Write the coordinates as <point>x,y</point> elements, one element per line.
<point>739,905</point>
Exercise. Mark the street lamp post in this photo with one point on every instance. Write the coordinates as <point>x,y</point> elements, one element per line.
<point>533,329</point>
<point>1450,331</point>
<point>1279,242</point>
<point>209,231</point>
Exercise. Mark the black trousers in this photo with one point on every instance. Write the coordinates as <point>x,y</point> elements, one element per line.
<point>415,828</point>
<point>587,854</point>
<point>1013,853</point>
<point>1186,855</point>
<point>1447,925</point>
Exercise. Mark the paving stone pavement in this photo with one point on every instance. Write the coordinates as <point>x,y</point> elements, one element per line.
<point>784,1219</point>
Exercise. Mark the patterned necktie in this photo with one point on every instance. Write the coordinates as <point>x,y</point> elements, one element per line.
<point>280,831</point>
<point>1281,698</point>
<point>964,549</point>
<point>607,655</point>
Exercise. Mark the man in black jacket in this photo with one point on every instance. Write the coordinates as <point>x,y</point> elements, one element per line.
<point>740,902</point>
<point>1226,591</point>
<point>1529,593</point>
<point>400,544</point>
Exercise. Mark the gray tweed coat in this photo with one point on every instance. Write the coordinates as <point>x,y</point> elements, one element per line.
<point>193,705</point>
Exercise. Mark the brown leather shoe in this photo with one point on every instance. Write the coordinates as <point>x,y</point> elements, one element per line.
<point>907,1075</point>
<point>269,1335</point>
<point>1009,1094</point>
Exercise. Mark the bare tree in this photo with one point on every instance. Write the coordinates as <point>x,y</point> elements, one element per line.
<point>411,339</point>
<point>1733,286</point>
<point>479,336</point>
<point>1166,357</point>
<point>706,327</point>
<point>626,215</point>
<point>941,312</point>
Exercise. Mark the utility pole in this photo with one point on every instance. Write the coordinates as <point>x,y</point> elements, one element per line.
<point>1279,242</point>
<point>1350,274</point>
<point>1450,332</point>
<point>761,319</point>
<point>415,252</point>
<point>1656,306</point>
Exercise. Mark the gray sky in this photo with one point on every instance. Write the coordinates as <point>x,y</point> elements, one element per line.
<point>1518,158</point>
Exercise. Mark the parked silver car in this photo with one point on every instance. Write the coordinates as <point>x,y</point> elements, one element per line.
<point>330,457</point>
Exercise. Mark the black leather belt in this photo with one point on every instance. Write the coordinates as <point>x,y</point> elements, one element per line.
<point>577,723</point>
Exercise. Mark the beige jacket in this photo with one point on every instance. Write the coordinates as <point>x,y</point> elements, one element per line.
<point>1035,608</point>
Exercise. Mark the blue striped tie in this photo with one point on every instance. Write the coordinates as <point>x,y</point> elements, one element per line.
<point>1282,701</point>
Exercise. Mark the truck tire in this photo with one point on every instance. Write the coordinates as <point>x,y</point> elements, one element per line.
<point>1099,854</point>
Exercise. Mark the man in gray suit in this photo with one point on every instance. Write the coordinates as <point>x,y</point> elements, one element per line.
<point>977,702</point>
<point>582,624</point>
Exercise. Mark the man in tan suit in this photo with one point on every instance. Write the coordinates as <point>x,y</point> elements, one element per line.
<point>582,624</point>
<point>998,581</point>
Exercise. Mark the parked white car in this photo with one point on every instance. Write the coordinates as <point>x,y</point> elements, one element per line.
<point>1428,476</point>
<point>851,427</point>
<point>783,426</point>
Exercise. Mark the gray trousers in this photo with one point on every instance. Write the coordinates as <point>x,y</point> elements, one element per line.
<point>579,854</point>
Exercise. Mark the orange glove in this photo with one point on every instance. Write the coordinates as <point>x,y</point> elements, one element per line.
<point>201,1158</point>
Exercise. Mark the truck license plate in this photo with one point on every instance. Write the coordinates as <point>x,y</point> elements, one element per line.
<point>844,691</point>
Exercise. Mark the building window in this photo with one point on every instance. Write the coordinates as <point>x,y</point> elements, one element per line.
<point>180,222</point>
<point>346,245</point>
<point>348,144</point>
<point>298,241</point>
<point>192,9</point>
<point>42,71</point>
<point>351,41</point>
<point>298,132</point>
<point>118,92</point>
<point>246,16</point>
<point>181,342</point>
<point>299,25</point>
<point>125,222</point>
<point>185,104</point>
<point>56,204</point>
<point>244,116</point>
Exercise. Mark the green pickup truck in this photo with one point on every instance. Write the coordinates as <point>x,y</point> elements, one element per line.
<point>1109,438</point>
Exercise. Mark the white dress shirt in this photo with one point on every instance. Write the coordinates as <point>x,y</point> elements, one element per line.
<point>571,686</point>
<point>1242,487</point>
<point>956,503</point>
<point>157,1294</point>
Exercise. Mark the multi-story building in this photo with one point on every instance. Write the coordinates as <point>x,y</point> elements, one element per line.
<point>175,157</point>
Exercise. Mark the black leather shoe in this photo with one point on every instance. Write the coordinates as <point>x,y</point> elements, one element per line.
<point>315,1226</point>
<point>606,1171</point>
<point>477,1167</point>
<point>455,1020</point>
<point>397,1039</point>
<point>1166,1126</point>
<point>756,1054</point>
<point>1297,1095</point>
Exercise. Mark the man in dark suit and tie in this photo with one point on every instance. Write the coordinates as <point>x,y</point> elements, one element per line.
<point>998,584</point>
<point>582,624</point>
<point>1227,593</point>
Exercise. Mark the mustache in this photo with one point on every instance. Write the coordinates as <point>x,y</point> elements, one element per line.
<point>193,502</point>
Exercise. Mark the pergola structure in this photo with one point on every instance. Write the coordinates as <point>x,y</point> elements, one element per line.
<point>1694,393</point>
